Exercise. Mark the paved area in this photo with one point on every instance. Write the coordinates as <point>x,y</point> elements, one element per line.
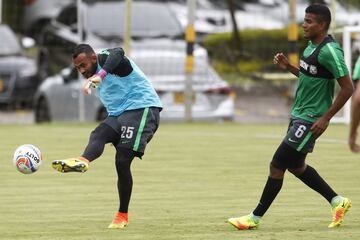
<point>263,104</point>
<point>16,117</point>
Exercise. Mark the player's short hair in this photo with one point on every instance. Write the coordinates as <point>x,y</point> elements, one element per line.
<point>82,48</point>
<point>322,11</point>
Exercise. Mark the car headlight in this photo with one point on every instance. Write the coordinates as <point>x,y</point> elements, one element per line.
<point>28,71</point>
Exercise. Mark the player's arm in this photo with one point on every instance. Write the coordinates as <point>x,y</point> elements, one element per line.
<point>356,73</point>
<point>355,119</point>
<point>282,62</point>
<point>332,58</point>
<point>355,109</point>
<point>108,59</point>
<point>112,58</point>
<point>346,90</point>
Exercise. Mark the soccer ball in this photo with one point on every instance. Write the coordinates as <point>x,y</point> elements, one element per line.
<point>27,159</point>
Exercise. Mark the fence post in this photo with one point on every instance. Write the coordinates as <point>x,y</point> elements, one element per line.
<point>293,34</point>
<point>189,65</point>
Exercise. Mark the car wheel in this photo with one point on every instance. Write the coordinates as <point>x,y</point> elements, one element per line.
<point>42,113</point>
<point>228,119</point>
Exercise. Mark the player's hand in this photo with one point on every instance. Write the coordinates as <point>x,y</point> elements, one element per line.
<point>95,80</point>
<point>319,126</point>
<point>352,143</point>
<point>281,61</point>
<point>92,82</point>
<point>87,87</point>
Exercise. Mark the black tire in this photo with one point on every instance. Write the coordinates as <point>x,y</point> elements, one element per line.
<point>228,119</point>
<point>42,113</point>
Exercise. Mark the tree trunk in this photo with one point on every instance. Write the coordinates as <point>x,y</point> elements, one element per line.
<point>235,31</point>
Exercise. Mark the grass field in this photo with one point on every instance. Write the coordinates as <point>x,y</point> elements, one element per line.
<point>192,178</point>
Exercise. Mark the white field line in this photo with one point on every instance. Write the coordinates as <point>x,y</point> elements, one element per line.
<point>259,136</point>
<point>321,139</point>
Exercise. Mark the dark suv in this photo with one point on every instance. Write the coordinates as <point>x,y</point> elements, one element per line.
<point>18,72</point>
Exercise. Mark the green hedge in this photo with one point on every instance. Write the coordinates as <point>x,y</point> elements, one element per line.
<point>350,3</point>
<point>254,52</point>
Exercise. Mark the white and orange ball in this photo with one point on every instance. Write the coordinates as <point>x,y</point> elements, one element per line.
<point>27,158</point>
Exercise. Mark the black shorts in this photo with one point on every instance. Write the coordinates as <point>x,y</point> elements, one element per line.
<point>135,128</point>
<point>287,157</point>
<point>299,135</point>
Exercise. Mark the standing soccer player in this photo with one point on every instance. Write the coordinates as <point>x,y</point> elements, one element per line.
<point>355,110</point>
<point>321,63</point>
<point>133,107</point>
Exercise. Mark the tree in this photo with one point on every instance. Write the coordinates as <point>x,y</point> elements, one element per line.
<point>235,31</point>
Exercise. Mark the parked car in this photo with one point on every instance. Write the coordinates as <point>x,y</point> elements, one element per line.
<point>213,16</point>
<point>18,72</point>
<point>38,13</point>
<point>208,17</point>
<point>158,48</point>
<point>58,100</point>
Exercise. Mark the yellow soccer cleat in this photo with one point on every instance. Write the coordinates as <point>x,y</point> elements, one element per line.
<point>120,221</point>
<point>246,222</point>
<point>71,165</point>
<point>339,211</point>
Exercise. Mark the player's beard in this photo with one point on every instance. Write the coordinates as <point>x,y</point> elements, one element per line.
<point>91,71</point>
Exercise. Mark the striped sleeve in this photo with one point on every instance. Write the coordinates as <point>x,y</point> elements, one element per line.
<point>332,57</point>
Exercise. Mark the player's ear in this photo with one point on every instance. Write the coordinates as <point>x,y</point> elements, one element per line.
<point>93,58</point>
<point>323,24</point>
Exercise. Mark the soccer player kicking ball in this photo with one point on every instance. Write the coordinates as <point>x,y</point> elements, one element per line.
<point>321,63</point>
<point>133,116</point>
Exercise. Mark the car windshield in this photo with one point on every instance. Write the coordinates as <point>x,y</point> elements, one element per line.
<point>149,20</point>
<point>9,43</point>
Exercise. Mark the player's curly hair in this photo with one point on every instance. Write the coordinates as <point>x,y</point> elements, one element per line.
<point>82,48</point>
<point>322,11</point>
